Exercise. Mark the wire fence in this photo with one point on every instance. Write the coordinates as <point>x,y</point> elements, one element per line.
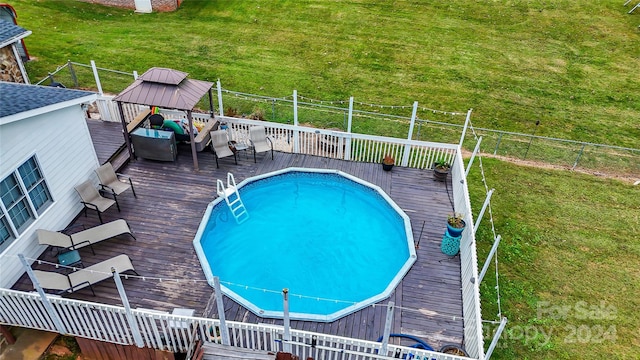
<point>388,120</point>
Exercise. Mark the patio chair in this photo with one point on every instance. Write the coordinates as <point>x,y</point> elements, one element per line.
<point>83,277</point>
<point>220,146</point>
<point>91,198</point>
<point>260,141</point>
<point>84,238</point>
<point>111,181</point>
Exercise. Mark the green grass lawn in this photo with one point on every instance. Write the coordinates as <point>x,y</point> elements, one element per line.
<point>569,262</point>
<point>570,240</point>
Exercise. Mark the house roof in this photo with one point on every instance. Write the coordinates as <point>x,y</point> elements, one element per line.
<point>19,98</point>
<point>10,33</point>
<point>165,88</point>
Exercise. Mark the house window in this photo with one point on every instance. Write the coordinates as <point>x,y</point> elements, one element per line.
<point>35,185</point>
<point>24,195</point>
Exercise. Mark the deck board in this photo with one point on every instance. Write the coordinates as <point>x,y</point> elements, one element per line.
<point>172,198</point>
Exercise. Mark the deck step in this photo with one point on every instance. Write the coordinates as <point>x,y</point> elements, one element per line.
<point>214,351</point>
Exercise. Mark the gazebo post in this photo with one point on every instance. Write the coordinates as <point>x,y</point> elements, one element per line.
<point>124,130</point>
<point>194,153</point>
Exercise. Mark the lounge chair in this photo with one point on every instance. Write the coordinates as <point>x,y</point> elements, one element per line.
<point>85,237</point>
<point>204,136</point>
<point>220,146</point>
<point>260,141</point>
<point>110,181</point>
<point>91,198</point>
<point>83,277</point>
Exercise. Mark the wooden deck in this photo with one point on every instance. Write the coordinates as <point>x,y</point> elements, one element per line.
<point>172,198</point>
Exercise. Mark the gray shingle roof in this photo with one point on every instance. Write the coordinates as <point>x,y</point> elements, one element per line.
<point>17,98</point>
<point>9,31</point>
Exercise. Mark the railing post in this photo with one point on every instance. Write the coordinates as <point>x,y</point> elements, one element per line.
<point>219,88</point>
<point>57,322</point>
<point>73,74</point>
<point>347,147</point>
<point>494,248</point>
<point>296,133</point>
<point>496,337</point>
<point>387,328</point>
<point>224,330</point>
<point>407,147</point>
<point>97,77</point>
<point>473,156</point>
<point>135,331</point>
<point>578,158</point>
<point>481,214</point>
<point>466,125</point>
<point>286,342</point>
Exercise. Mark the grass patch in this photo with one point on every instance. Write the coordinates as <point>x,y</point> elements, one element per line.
<point>570,64</point>
<point>567,261</point>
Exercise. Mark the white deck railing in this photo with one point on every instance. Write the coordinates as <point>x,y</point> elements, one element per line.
<point>175,333</point>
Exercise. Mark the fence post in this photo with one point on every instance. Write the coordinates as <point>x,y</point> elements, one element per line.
<point>578,158</point>
<point>347,147</point>
<point>466,125</point>
<point>135,75</point>
<point>473,156</point>
<point>57,322</point>
<point>387,328</point>
<point>219,88</point>
<point>296,133</point>
<point>531,139</point>
<point>286,342</point>
<point>273,109</point>
<point>97,77</point>
<point>407,147</point>
<point>481,214</point>
<point>224,330</point>
<point>73,74</point>
<point>495,151</point>
<point>494,248</point>
<point>135,331</point>
<point>496,337</point>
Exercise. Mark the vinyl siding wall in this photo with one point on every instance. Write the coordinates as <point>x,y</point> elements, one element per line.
<point>61,142</point>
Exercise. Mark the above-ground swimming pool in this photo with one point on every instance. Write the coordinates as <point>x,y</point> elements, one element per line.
<point>336,242</point>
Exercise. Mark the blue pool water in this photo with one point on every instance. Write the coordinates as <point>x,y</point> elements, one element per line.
<point>322,236</point>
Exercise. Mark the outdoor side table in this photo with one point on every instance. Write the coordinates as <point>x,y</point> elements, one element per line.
<point>70,258</point>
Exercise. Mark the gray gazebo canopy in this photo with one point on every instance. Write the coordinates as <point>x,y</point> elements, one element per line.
<point>167,89</point>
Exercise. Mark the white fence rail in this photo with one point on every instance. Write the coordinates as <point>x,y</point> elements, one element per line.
<point>471,311</point>
<point>175,333</point>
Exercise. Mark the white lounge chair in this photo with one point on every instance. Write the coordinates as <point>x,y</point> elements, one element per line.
<point>111,181</point>
<point>260,142</point>
<point>91,198</point>
<point>85,237</point>
<point>220,146</point>
<point>83,277</point>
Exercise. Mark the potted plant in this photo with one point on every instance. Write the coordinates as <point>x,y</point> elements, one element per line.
<point>387,162</point>
<point>455,224</point>
<point>441,170</point>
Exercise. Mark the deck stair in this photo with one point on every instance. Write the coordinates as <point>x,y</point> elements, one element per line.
<point>214,351</point>
<point>232,198</point>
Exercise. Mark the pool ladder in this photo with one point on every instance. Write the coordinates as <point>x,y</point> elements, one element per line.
<point>232,197</point>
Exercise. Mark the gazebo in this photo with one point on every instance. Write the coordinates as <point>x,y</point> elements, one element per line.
<point>167,89</point>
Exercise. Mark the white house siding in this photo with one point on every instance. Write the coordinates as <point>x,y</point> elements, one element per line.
<point>63,147</point>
